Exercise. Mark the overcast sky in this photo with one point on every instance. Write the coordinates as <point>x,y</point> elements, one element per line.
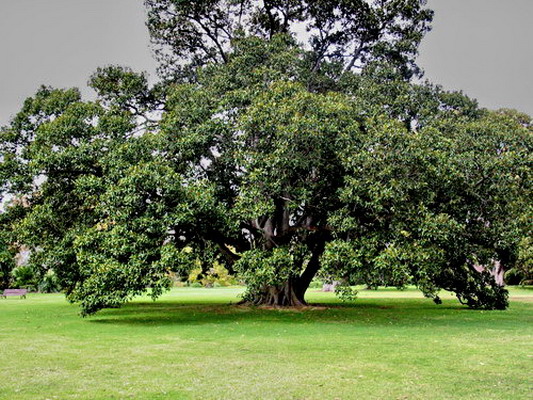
<point>482,47</point>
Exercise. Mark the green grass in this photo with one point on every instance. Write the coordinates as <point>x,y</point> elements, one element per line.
<point>192,345</point>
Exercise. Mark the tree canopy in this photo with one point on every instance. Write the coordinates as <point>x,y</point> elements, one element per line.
<point>351,33</point>
<point>279,160</point>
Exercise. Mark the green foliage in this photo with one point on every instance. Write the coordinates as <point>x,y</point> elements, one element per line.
<point>49,282</point>
<point>260,269</point>
<point>120,89</point>
<point>345,292</point>
<point>33,278</point>
<point>24,277</point>
<point>215,276</point>
<point>316,284</point>
<point>7,263</point>
<point>524,262</point>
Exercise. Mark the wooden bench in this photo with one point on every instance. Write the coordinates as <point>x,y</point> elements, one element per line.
<point>15,292</point>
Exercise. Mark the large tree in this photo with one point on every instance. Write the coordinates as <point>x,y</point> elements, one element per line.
<point>276,169</point>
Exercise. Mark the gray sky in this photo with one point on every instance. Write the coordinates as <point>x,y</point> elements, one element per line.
<point>483,47</point>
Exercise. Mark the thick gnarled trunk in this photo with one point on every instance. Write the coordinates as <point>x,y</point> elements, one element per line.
<point>289,294</point>
<point>278,230</point>
<point>292,292</point>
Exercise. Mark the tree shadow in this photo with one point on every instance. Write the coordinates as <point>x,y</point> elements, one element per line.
<point>368,312</point>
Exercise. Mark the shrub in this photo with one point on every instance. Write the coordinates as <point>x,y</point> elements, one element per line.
<point>216,276</point>
<point>49,283</point>
<point>24,277</point>
<point>316,284</point>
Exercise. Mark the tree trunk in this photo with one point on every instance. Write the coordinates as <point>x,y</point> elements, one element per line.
<point>289,294</point>
<point>276,231</point>
<point>292,292</point>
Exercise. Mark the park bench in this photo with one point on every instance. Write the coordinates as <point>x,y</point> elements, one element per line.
<point>15,292</point>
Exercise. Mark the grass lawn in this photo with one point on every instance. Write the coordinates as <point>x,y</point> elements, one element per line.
<point>191,344</point>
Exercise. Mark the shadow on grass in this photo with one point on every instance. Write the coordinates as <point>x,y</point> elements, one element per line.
<point>374,312</point>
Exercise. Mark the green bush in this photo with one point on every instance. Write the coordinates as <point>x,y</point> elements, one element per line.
<point>49,283</point>
<point>31,278</point>
<point>514,277</point>
<point>316,284</point>
<point>216,276</point>
<point>24,277</point>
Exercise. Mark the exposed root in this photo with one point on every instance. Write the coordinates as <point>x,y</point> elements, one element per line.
<point>277,296</point>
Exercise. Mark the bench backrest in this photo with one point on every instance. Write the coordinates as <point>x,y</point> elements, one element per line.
<point>15,292</point>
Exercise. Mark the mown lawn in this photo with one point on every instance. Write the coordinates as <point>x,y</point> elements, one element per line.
<point>191,344</point>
